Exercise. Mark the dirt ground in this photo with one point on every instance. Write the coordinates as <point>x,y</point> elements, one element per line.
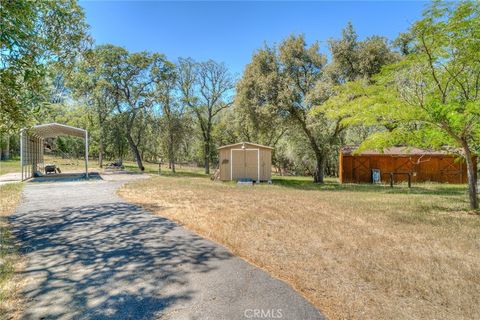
<point>365,252</point>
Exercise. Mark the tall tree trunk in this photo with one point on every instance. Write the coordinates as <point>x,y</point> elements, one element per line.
<point>171,151</point>
<point>5,150</point>
<point>100,153</point>
<point>207,156</point>
<point>472,176</point>
<point>100,142</point>
<point>318,174</point>
<point>136,152</point>
<point>100,150</point>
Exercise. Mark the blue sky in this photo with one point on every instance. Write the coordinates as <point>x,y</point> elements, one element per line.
<point>231,31</point>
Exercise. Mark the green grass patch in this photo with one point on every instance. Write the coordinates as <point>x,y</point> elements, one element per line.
<point>306,183</point>
<point>180,171</point>
<point>8,166</point>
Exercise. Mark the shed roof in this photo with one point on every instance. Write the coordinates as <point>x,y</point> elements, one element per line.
<point>394,151</point>
<point>243,143</point>
<point>51,130</point>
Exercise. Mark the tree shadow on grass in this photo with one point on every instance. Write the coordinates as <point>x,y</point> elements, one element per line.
<point>108,261</point>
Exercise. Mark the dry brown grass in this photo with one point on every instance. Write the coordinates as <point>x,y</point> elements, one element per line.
<point>355,251</point>
<point>10,261</point>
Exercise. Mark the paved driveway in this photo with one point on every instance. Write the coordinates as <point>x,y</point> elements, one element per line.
<point>10,177</point>
<point>93,256</point>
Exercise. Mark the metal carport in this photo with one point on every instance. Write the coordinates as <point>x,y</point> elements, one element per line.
<point>32,144</point>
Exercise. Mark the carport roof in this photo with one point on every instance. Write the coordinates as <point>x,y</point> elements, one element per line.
<point>51,130</point>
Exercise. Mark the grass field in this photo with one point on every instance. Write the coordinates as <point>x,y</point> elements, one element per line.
<point>10,301</point>
<point>66,165</point>
<point>71,165</point>
<point>355,251</point>
<point>8,166</point>
<point>78,165</point>
<point>182,171</point>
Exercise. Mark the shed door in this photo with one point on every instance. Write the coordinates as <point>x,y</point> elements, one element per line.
<point>402,165</point>
<point>361,169</point>
<point>450,171</point>
<point>238,164</point>
<point>245,164</point>
<point>251,164</point>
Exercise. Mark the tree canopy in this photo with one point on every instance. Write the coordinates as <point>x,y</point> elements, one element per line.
<point>35,34</point>
<point>431,98</point>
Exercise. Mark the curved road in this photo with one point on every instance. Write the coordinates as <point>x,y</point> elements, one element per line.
<point>91,255</point>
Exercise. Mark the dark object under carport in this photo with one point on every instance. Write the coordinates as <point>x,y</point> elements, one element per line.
<point>50,169</point>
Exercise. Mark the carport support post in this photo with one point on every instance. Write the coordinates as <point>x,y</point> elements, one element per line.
<point>86,153</point>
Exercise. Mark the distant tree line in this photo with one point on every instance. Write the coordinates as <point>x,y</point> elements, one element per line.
<point>422,89</point>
